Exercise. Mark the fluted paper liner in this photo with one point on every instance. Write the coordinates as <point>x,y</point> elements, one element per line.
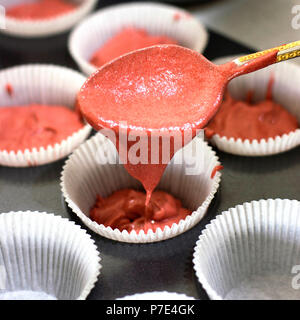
<point>83,178</point>
<point>285,92</point>
<point>45,84</point>
<point>251,252</point>
<point>45,27</point>
<point>157,295</point>
<point>45,256</point>
<point>156,18</point>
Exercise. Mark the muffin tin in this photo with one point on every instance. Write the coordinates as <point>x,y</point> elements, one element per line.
<point>164,266</point>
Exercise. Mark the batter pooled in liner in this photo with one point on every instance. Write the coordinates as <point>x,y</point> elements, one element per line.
<point>41,9</point>
<point>126,210</point>
<point>35,126</point>
<point>246,120</point>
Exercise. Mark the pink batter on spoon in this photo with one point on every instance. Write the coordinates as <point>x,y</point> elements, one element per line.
<point>158,90</point>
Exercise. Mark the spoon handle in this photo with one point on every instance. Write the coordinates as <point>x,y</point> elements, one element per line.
<point>285,52</point>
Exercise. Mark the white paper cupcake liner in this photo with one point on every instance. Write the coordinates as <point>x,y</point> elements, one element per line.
<point>159,19</point>
<point>45,27</point>
<point>45,84</point>
<point>285,91</point>
<point>157,295</point>
<point>83,178</point>
<point>251,251</point>
<point>43,256</point>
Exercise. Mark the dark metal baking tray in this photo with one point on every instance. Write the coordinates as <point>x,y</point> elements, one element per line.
<point>130,268</point>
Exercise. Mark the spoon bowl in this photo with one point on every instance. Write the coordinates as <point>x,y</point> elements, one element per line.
<point>160,87</point>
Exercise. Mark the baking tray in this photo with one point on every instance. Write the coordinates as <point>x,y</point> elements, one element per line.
<point>132,268</point>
